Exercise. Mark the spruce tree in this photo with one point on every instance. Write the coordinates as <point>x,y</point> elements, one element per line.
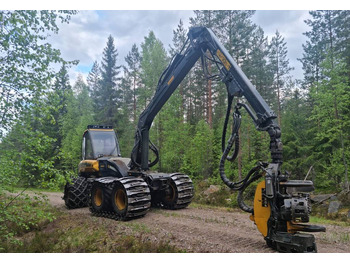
<point>58,100</point>
<point>107,96</point>
<point>94,79</point>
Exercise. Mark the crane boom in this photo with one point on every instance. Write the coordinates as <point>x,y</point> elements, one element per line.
<point>278,203</point>
<point>200,40</point>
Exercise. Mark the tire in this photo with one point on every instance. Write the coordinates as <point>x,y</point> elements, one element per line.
<point>119,200</point>
<point>100,197</point>
<point>76,194</point>
<point>179,194</point>
<point>170,196</point>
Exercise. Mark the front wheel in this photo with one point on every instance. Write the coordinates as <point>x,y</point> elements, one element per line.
<point>179,193</point>
<point>76,194</point>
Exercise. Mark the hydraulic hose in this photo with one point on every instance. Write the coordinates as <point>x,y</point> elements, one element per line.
<point>253,175</point>
<point>234,139</point>
<point>257,174</point>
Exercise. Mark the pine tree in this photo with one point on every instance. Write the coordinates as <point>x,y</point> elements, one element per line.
<point>236,31</point>
<point>279,65</point>
<point>133,60</point>
<point>179,39</point>
<point>206,18</point>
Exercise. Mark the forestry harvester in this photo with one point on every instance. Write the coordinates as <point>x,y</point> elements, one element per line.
<point>123,188</point>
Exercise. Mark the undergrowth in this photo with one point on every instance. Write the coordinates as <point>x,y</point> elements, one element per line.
<point>22,214</point>
<point>85,234</point>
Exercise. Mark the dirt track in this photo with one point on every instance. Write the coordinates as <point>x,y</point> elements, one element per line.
<point>213,230</point>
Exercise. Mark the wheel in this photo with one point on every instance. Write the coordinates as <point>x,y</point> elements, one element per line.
<point>170,197</point>
<point>100,197</point>
<point>119,200</point>
<point>76,194</point>
<point>179,193</point>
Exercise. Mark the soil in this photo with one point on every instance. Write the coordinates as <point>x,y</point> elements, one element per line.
<point>200,230</point>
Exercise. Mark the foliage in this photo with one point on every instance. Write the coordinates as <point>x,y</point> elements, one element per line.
<point>23,214</point>
<point>198,155</point>
<point>86,234</point>
<point>106,94</point>
<point>331,110</point>
<point>42,143</point>
<point>26,59</point>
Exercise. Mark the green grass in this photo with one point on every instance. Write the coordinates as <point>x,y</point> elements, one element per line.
<point>85,239</point>
<point>71,233</point>
<point>138,227</point>
<point>321,220</point>
<point>33,189</point>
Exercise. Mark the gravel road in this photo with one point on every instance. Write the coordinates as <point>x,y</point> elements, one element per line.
<point>213,230</point>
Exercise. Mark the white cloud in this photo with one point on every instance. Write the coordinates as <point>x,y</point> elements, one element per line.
<point>290,23</point>
<point>85,37</point>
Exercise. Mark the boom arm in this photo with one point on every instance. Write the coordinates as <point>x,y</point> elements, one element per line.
<point>200,40</point>
<point>278,203</point>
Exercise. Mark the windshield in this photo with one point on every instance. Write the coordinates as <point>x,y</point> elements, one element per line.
<point>104,143</point>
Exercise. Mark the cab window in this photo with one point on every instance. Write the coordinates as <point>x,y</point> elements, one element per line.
<point>89,154</point>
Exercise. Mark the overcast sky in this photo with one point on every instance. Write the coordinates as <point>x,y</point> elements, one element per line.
<point>84,38</point>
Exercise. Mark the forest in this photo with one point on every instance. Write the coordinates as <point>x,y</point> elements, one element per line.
<point>43,115</point>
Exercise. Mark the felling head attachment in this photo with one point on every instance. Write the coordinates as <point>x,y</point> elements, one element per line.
<point>279,217</point>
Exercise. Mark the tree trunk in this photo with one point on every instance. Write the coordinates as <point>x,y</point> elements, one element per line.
<point>134,97</point>
<point>210,109</point>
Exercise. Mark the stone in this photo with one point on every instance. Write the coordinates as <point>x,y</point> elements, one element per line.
<point>212,189</point>
<point>334,207</point>
<point>349,214</point>
<point>319,198</point>
<point>333,198</point>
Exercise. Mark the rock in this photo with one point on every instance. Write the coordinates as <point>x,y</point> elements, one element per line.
<point>320,198</point>
<point>212,189</point>
<point>333,198</point>
<point>349,214</point>
<point>344,197</point>
<point>333,207</point>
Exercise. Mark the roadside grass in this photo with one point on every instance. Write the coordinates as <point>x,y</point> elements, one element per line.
<point>322,220</point>
<point>33,189</point>
<point>335,237</point>
<point>213,207</point>
<point>76,233</point>
<point>21,215</point>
